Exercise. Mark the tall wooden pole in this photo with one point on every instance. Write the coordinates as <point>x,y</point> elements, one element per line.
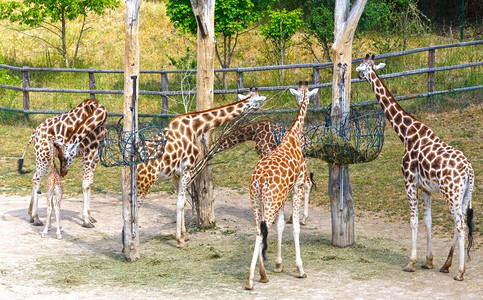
<point>130,230</point>
<point>340,190</point>
<point>204,11</point>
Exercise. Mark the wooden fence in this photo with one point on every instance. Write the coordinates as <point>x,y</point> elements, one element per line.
<point>164,84</point>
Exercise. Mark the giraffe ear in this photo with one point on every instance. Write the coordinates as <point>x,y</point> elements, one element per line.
<point>241,97</point>
<point>379,66</point>
<point>294,92</point>
<point>313,92</point>
<point>58,142</point>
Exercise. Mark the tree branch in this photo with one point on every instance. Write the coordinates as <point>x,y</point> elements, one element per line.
<point>36,37</point>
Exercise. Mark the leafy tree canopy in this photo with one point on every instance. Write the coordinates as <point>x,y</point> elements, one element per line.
<point>282,25</point>
<point>34,12</point>
<point>231,16</point>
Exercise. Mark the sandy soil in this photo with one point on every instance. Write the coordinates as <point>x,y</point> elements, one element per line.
<point>22,247</point>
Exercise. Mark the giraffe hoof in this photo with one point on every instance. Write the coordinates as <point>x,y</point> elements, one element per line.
<point>444,270</point>
<point>459,277</point>
<point>427,266</point>
<point>92,220</point>
<point>290,221</point>
<point>278,268</point>
<point>37,223</point>
<point>264,280</point>
<point>87,225</point>
<point>248,287</point>
<point>408,269</point>
<point>304,275</point>
<point>43,235</point>
<point>303,221</point>
<point>181,244</point>
<point>59,236</point>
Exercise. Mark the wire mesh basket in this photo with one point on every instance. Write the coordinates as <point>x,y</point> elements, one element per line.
<point>350,138</point>
<point>117,146</point>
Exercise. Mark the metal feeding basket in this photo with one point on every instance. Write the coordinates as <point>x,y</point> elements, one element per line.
<point>117,146</point>
<point>350,138</point>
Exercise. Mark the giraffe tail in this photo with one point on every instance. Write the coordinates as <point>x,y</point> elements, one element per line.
<point>312,180</point>
<point>264,229</point>
<point>469,211</point>
<point>20,161</point>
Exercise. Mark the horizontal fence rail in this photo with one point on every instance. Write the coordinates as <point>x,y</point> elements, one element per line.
<point>164,93</point>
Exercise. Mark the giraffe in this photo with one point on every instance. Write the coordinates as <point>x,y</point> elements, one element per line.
<point>262,133</point>
<point>76,132</point>
<point>54,185</point>
<point>181,152</point>
<point>274,176</point>
<point>428,164</point>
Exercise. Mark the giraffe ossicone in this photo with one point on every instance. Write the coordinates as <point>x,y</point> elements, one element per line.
<point>431,166</point>
<point>181,152</point>
<point>275,175</point>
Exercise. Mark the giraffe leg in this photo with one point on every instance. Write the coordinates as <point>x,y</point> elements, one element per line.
<point>86,189</point>
<point>180,226</point>
<point>298,194</point>
<point>89,164</point>
<point>263,272</point>
<point>34,201</point>
<point>280,228</point>
<point>307,187</point>
<point>461,240</point>
<point>57,215</point>
<point>412,193</point>
<point>49,214</point>
<point>449,259</point>
<point>256,255</point>
<point>427,222</point>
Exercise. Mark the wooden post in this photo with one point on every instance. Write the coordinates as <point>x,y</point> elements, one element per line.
<point>340,190</point>
<point>239,80</point>
<point>92,83</point>
<point>26,95</point>
<point>204,11</point>
<point>431,59</point>
<point>164,88</point>
<point>316,80</point>
<point>130,230</point>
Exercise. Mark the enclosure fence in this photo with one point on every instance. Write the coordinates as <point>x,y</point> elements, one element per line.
<point>164,91</point>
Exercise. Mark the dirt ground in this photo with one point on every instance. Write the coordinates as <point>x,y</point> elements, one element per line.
<point>22,248</point>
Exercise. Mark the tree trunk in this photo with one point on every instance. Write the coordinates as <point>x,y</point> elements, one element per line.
<point>342,205</point>
<point>204,11</point>
<point>342,212</point>
<point>130,231</point>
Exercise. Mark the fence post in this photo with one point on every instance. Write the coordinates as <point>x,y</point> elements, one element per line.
<point>431,58</point>
<point>92,83</point>
<point>26,85</point>
<point>316,80</point>
<point>239,80</point>
<point>164,88</point>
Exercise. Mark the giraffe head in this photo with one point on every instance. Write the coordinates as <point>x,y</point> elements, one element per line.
<point>67,153</point>
<point>255,99</point>
<point>368,66</point>
<point>302,93</point>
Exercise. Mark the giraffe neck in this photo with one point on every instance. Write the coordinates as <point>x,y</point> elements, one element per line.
<point>298,125</point>
<point>96,118</point>
<point>203,121</point>
<point>244,134</point>
<point>395,114</point>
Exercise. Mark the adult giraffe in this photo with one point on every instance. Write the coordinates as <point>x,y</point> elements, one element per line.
<point>275,175</point>
<point>181,152</point>
<point>263,134</point>
<point>430,165</point>
<point>76,132</point>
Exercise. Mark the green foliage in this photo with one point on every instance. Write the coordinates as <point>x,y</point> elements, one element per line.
<point>47,14</point>
<point>34,12</point>
<point>282,25</point>
<point>231,16</point>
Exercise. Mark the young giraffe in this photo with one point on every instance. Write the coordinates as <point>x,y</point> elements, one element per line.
<point>77,132</point>
<point>275,175</point>
<point>430,165</point>
<point>262,133</point>
<point>54,185</point>
<point>181,152</point>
